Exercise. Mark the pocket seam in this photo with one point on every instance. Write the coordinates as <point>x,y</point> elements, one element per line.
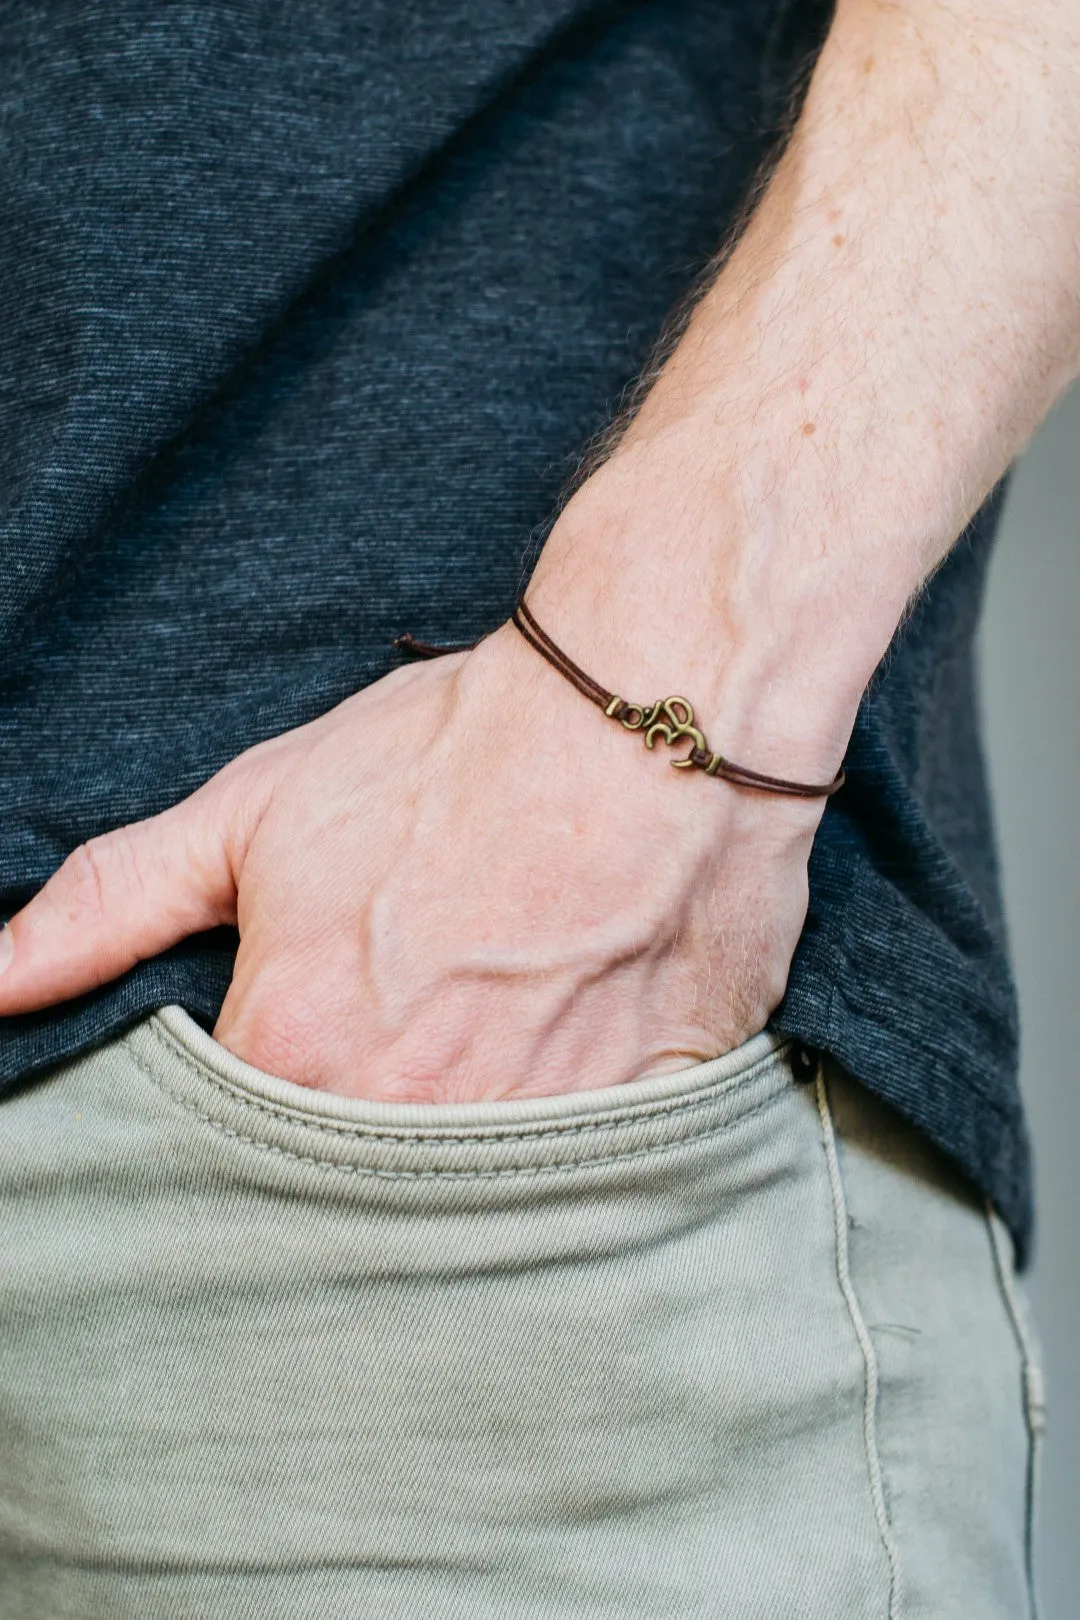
<point>730,1086</point>
<point>448,1174</point>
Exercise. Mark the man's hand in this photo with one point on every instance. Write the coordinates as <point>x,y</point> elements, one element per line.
<point>463,883</point>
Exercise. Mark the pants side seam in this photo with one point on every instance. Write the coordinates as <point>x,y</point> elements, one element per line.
<point>866,1344</point>
<point>1034,1395</point>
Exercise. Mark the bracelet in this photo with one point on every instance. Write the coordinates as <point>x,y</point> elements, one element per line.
<point>670,718</point>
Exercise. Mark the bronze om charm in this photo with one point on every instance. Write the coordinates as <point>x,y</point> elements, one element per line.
<point>671,718</point>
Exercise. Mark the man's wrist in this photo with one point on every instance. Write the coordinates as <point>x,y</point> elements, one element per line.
<point>657,588</point>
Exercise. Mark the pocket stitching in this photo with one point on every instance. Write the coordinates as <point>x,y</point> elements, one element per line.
<point>431,1137</point>
<point>562,1167</point>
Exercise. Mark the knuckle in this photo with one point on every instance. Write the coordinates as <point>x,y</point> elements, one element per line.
<point>86,875</point>
<point>97,869</point>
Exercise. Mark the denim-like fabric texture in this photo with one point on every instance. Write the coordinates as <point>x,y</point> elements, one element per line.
<point>306,317</point>
<point>677,1348</point>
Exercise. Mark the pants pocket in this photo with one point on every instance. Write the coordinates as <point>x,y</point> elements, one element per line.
<point>274,1353</point>
<point>451,1143</point>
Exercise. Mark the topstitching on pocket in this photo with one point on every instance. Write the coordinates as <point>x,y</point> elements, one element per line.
<point>394,1139</point>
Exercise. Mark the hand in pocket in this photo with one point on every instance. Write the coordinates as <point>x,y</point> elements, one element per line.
<point>462,883</point>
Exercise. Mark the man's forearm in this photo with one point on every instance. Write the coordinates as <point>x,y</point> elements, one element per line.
<point>902,310</point>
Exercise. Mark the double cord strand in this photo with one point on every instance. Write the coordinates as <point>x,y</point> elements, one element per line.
<point>671,719</point>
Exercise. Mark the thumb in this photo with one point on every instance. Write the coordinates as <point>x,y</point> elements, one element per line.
<point>119,899</point>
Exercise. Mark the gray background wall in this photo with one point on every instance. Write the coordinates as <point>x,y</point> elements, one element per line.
<point>1031,701</point>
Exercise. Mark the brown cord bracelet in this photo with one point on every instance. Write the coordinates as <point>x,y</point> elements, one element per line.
<point>671,718</point>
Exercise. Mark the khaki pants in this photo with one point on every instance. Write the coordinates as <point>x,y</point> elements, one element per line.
<point>714,1344</point>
